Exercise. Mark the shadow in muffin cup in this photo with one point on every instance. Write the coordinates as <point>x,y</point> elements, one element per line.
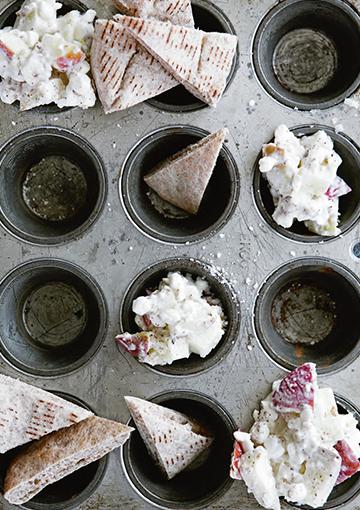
<point>307,311</point>
<point>348,490</point>
<point>7,19</point>
<point>199,485</point>
<point>219,288</point>
<point>54,205</point>
<point>71,491</point>
<point>349,205</point>
<point>303,53</point>
<point>219,201</point>
<point>209,18</point>
<point>53,318</point>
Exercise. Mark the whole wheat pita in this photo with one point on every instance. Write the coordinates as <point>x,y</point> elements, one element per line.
<point>59,454</point>
<point>182,179</point>
<point>125,74</point>
<point>201,61</point>
<point>28,413</point>
<point>178,12</point>
<point>173,440</point>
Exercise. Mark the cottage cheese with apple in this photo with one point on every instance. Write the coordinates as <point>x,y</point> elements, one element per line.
<point>177,319</point>
<point>43,58</point>
<point>303,180</point>
<point>299,446</point>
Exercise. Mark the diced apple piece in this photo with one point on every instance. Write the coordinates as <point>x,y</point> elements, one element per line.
<point>296,390</point>
<point>137,345</point>
<point>7,51</point>
<point>67,62</point>
<point>338,188</point>
<point>235,461</point>
<point>349,462</point>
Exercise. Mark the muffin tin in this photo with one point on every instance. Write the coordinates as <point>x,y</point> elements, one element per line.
<point>105,252</point>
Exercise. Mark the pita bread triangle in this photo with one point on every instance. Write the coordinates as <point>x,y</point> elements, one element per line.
<point>125,74</point>
<point>178,12</point>
<point>28,413</point>
<point>172,439</point>
<point>201,61</point>
<point>59,454</point>
<point>182,179</point>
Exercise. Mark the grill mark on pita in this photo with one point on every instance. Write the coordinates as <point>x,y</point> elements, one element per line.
<point>105,25</point>
<point>105,64</point>
<point>109,70</point>
<point>173,8</point>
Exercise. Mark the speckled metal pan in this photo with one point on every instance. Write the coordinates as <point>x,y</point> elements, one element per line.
<point>71,491</point>
<point>303,52</point>
<point>198,486</point>
<point>210,18</point>
<point>218,204</point>
<point>53,318</point>
<point>307,310</point>
<point>19,154</point>
<point>349,205</point>
<point>219,287</point>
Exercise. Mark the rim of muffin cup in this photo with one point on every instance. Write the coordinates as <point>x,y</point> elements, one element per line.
<point>348,490</point>
<point>266,77</point>
<point>298,233</point>
<point>220,419</point>
<point>144,155</point>
<point>95,473</point>
<point>287,355</point>
<point>188,103</point>
<point>15,288</point>
<point>21,222</point>
<point>219,287</point>
<point>7,15</point>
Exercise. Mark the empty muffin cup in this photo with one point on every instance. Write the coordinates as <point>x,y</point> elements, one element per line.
<point>71,491</point>
<point>302,54</point>
<point>53,317</point>
<point>219,288</point>
<point>199,485</point>
<point>307,311</point>
<point>217,206</point>
<point>209,18</point>
<point>349,205</point>
<point>52,185</point>
<point>7,19</point>
<point>346,491</point>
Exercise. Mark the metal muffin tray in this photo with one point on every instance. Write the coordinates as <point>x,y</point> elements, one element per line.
<point>106,254</point>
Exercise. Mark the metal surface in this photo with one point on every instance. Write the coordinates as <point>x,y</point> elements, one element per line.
<point>113,251</point>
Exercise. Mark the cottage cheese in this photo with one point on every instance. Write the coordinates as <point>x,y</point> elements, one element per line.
<point>303,181</point>
<point>177,320</point>
<point>295,448</point>
<point>43,58</point>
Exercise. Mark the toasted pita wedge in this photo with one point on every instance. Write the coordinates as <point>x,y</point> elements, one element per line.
<point>28,413</point>
<point>199,60</point>
<point>178,12</point>
<point>125,74</point>
<point>173,440</point>
<point>182,179</point>
<point>59,454</point>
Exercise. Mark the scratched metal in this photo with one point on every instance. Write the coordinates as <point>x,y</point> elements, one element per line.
<point>249,249</point>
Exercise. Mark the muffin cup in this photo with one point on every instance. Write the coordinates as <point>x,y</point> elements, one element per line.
<point>218,204</point>
<point>221,289</point>
<point>306,311</point>
<point>303,55</point>
<point>8,17</point>
<point>210,18</point>
<point>19,155</point>
<point>196,487</point>
<point>71,491</point>
<point>345,492</point>
<point>349,205</point>
<point>53,318</point>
